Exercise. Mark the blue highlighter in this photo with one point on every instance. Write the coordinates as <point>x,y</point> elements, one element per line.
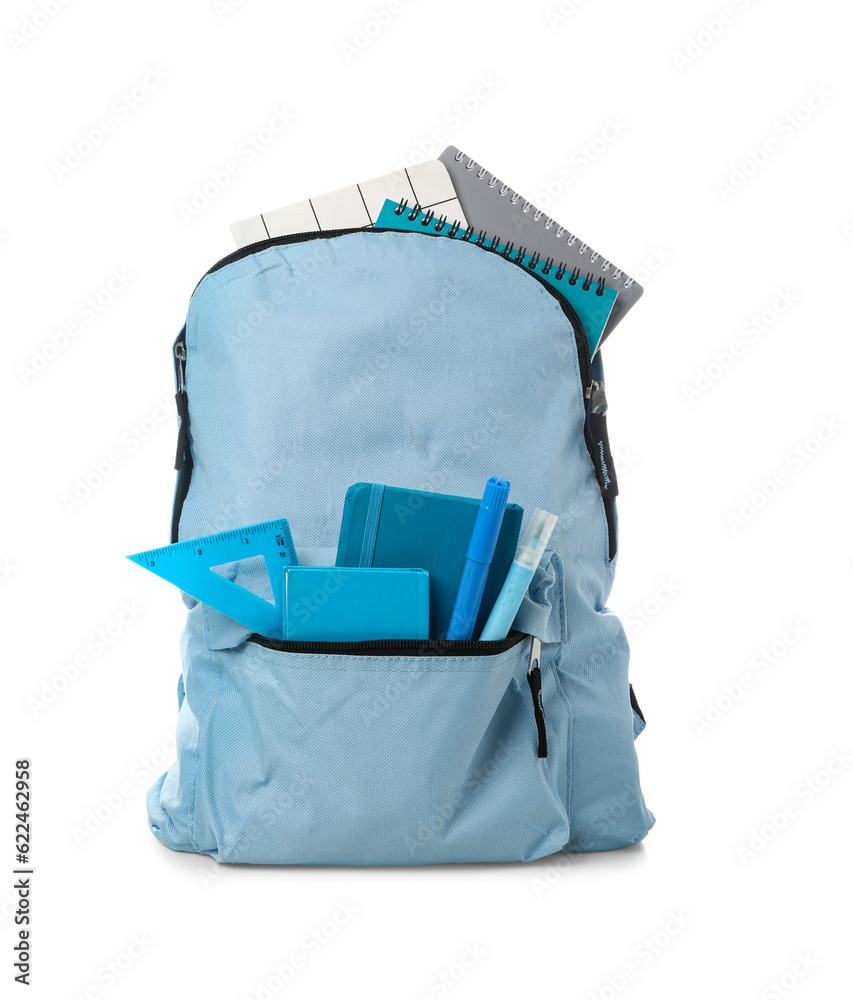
<point>520,574</point>
<point>481,551</point>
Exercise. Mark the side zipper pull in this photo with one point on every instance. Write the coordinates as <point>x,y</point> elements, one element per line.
<point>597,398</point>
<point>181,404</point>
<point>183,413</point>
<point>599,442</point>
<point>534,679</point>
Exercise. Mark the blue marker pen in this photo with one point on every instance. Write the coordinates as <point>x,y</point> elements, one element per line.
<point>520,574</point>
<point>481,551</point>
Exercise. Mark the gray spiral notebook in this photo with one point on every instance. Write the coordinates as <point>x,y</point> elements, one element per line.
<point>492,205</point>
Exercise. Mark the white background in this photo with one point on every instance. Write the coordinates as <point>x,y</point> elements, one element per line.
<point>701,595</point>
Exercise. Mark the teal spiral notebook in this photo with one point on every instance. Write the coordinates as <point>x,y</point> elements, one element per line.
<point>391,527</point>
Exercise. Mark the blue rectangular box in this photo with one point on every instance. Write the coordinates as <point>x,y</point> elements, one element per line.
<point>351,604</point>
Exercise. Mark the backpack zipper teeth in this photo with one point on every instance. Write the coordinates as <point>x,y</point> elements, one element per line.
<point>584,355</point>
<point>389,647</point>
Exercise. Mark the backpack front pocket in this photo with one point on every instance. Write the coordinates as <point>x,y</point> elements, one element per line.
<point>370,758</point>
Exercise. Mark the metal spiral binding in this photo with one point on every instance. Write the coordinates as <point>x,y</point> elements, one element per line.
<point>482,239</point>
<point>538,213</point>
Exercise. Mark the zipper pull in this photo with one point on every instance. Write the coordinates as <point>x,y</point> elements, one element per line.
<point>597,399</point>
<point>182,404</point>
<point>183,413</point>
<point>535,652</point>
<point>598,442</point>
<point>534,679</point>
<point>180,359</point>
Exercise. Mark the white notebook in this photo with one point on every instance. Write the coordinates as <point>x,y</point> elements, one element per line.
<point>427,185</point>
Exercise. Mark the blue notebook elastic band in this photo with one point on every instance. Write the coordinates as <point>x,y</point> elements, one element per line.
<point>371,527</point>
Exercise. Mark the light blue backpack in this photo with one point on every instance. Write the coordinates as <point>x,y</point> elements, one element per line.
<point>313,362</point>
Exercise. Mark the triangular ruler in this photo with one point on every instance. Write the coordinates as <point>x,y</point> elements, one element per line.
<point>188,566</point>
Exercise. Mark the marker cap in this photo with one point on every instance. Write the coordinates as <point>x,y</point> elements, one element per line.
<point>488,524</point>
<point>536,538</point>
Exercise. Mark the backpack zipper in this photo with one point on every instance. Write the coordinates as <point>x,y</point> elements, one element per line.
<point>393,647</point>
<point>596,397</point>
<point>180,350</point>
<point>534,679</point>
<point>584,355</point>
<point>598,446</point>
<point>183,456</point>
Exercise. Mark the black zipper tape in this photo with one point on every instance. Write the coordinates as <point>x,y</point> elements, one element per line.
<point>598,445</point>
<point>394,647</point>
<point>580,334</point>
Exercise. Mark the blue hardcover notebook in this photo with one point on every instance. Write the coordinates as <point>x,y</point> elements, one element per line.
<point>351,603</point>
<point>388,526</point>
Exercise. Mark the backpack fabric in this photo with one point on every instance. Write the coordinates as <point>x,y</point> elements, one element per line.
<point>308,364</point>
